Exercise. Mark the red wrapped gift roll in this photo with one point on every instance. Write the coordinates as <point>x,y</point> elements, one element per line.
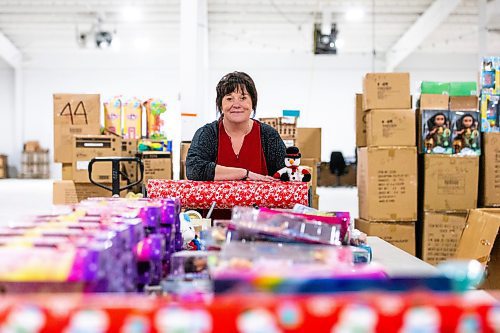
<point>227,194</point>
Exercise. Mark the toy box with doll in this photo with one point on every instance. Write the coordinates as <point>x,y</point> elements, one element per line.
<point>436,132</point>
<point>466,138</point>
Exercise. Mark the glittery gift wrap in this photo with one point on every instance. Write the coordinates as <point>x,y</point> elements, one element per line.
<point>227,194</point>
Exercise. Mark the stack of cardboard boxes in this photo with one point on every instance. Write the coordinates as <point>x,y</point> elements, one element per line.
<point>449,178</point>
<point>3,167</point>
<point>78,139</point>
<point>34,161</point>
<point>387,160</point>
<point>308,140</point>
<point>286,127</point>
<point>184,151</point>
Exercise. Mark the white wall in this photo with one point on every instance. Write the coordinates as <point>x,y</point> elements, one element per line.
<point>322,87</point>
<point>7,122</point>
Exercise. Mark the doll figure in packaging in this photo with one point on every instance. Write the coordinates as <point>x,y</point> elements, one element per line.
<point>466,140</point>
<point>437,139</point>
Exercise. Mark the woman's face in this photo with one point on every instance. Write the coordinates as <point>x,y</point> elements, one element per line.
<point>237,106</point>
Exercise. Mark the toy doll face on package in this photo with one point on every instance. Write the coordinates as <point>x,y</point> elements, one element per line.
<point>436,132</point>
<point>466,136</point>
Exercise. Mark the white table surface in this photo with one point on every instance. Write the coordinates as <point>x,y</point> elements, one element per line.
<point>398,262</point>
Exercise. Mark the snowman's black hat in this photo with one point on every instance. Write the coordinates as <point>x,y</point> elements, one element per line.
<point>293,152</point>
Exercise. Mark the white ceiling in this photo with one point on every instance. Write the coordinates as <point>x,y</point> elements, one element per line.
<point>38,26</point>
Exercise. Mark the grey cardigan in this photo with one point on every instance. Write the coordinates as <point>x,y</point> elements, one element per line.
<point>202,155</point>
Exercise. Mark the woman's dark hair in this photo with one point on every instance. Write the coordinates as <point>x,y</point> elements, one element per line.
<point>236,81</point>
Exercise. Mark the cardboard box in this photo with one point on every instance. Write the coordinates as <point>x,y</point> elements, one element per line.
<point>450,182</point>
<point>490,173</point>
<point>87,147</point>
<point>313,165</point>
<point>309,142</point>
<point>184,151</point>
<point>360,122</point>
<point>74,114</point>
<point>401,235</point>
<point>492,280</point>
<point>386,91</point>
<point>67,192</point>
<point>387,183</point>
<point>464,103</point>
<point>462,89</point>
<point>434,102</point>
<point>3,166</point>
<point>315,201</point>
<point>391,127</point>
<point>67,171</point>
<point>129,149</point>
<point>157,165</point>
<point>442,230</point>
<point>31,146</point>
<point>349,177</point>
<point>435,88</point>
<point>479,235</point>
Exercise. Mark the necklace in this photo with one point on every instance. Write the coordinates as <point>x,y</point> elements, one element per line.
<point>249,128</point>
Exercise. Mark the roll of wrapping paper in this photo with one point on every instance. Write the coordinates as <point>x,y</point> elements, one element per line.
<point>228,194</point>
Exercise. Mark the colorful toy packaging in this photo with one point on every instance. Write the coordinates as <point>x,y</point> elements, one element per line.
<point>132,119</point>
<point>490,75</point>
<point>490,113</point>
<point>154,108</point>
<point>436,132</point>
<point>466,136</point>
<point>113,115</point>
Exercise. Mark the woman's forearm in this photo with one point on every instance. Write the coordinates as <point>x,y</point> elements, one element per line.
<point>229,173</point>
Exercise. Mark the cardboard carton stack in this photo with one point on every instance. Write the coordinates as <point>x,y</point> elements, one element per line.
<point>449,166</point>
<point>3,167</point>
<point>387,159</point>
<point>34,161</point>
<point>308,140</point>
<point>286,127</point>
<point>184,151</point>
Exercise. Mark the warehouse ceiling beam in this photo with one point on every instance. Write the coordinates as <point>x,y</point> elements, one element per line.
<point>437,12</point>
<point>9,52</point>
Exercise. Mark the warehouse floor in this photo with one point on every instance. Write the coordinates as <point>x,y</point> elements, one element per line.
<point>20,197</point>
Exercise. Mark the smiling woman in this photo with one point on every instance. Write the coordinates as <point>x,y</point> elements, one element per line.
<point>235,146</point>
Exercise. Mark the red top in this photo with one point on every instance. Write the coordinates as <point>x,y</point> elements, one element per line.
<point>251,156</point>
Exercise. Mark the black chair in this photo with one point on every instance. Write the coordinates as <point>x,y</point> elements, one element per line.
<point>337,165</point>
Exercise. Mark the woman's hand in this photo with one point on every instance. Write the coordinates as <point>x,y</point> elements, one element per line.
<point>256,176</point>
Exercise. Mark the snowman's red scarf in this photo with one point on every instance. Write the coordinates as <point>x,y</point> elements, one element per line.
<point>294,168</point>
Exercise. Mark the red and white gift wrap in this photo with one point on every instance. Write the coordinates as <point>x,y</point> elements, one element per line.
<point>228,194</point>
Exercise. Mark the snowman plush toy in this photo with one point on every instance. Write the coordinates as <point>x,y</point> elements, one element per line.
<point>293,171</point>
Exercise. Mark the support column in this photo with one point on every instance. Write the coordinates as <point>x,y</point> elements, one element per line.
<point>482,30</point>
<point>193,68</point>
<point>19,120</point>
